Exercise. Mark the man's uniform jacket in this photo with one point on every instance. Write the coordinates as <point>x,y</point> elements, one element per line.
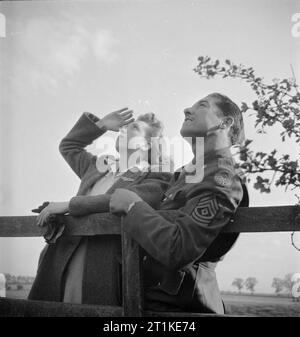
<point>182,242</point>
<point>150,186</point>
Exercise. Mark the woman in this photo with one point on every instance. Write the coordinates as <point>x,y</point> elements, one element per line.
<point>80,270</point>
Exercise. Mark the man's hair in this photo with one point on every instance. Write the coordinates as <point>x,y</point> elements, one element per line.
<point>155,125</point>
<point>230,109</point>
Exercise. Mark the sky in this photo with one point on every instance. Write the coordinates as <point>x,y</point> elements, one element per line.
<point>60,59</point>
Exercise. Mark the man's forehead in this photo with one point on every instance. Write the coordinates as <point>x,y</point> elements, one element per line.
<point>207,100</point>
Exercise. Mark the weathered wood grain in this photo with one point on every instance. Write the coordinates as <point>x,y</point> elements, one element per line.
<point>247,220</point>
<point>26,308</point>
<point>265,219</point>
<point>132,277</point>
<point>182,314</point>
<point>94,224</point>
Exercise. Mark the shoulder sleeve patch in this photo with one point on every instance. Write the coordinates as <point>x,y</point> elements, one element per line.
<point>225,162</point>
<point>223,178</point>
<point>206,209</point>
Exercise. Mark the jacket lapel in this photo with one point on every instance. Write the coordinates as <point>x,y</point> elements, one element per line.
<point>89,180</point>
<point>127,179</point>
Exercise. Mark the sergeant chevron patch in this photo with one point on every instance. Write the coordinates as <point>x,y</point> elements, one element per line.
<point>205,210</point>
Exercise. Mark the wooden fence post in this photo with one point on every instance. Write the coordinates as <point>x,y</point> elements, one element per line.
<point>131,276</point>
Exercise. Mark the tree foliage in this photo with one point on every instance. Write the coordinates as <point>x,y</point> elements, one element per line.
<point>277,284</point>
<point>238,283</point>
<point>285,284</point>
<point>276,103</point>
<point>250,284</point>
<point>288,283</point>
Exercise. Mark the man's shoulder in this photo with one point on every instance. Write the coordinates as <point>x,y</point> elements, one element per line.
<point>220,172</point>
<point>220,176</point>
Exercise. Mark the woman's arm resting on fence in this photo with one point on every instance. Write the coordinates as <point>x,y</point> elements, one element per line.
<point>49,208</point>
<point>151,189</point>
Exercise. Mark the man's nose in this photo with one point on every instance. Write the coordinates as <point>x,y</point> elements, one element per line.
<point>186,112</point>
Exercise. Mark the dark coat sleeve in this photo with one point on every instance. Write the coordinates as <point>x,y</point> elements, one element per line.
<point>72,147</point>
<point>151,189</point>
<point>177,238</point>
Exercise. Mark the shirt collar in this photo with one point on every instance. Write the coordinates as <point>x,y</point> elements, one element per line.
<point>113,165</point>
<point>142,166</point>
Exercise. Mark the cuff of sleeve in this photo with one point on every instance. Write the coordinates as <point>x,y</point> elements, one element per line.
<point>92,117</point>
<point>131,206</point>
<point>136,215</point>
<point>95,120</point>
<point>73,209</point>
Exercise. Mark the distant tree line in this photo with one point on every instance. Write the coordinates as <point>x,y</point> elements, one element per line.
<point>17,281</point>
<point>249,284</point>
<point>284,285</point>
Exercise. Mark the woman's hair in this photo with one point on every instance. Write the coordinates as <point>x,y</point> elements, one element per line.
<point>156,154</point>
<point>156,126</point>
<point>230,109</point>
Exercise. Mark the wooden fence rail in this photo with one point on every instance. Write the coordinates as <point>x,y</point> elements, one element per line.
<point>247,220</point>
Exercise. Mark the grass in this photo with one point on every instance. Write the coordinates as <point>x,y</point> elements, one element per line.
<point>261,305</point>
<point>249,305</point>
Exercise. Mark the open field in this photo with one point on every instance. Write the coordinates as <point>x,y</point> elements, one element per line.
<point>253,305</point>
<point>18,294</point>
<point>260,305</point>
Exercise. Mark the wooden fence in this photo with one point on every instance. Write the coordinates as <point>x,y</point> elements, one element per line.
<point>247,220</point>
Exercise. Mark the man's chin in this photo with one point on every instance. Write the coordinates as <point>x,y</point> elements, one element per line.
<point>186,132</point>
<point>182,131</point>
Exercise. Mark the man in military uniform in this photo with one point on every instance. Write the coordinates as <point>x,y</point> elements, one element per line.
<point>182,242</point>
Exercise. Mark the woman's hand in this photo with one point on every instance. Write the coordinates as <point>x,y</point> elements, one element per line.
<point>52,208</point>
<point>115,120</point>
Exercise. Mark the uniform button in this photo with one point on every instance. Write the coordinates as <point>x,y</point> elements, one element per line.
<point>170,195</point>
<point>158,283</point>
<point>144,258</point>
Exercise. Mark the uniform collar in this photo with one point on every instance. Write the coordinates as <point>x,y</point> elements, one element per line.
<point>215,154</point>
<point>210,157</point>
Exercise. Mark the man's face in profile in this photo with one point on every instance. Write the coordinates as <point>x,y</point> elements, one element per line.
<point>200,117</point>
